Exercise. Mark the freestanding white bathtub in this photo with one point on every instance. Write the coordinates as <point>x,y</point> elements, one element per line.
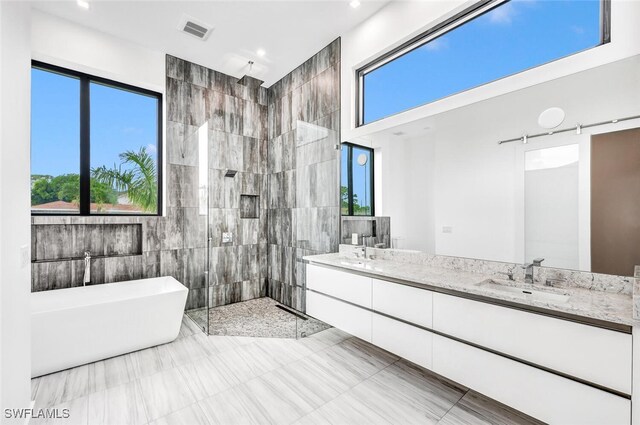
<point>75,326</point>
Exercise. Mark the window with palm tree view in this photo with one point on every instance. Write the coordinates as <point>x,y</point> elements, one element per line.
<point>95,145</point>
<point>356,187</point>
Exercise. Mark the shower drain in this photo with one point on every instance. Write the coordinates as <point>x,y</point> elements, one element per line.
<point>291,311</point>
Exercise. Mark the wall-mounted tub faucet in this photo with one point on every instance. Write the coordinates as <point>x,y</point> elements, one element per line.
<point>528,273</point>
<point>87,268</point>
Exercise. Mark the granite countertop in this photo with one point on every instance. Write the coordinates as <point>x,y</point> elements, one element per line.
<point>591,304</point>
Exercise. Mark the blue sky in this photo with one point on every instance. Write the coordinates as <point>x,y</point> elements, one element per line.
<point>120,121</point>
<point>511,38</point>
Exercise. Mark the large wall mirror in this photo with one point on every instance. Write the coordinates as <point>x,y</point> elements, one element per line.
<point>571,197</point>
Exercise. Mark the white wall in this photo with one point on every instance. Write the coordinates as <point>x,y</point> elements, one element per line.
<point>400,21</point>
<point>15,272</point>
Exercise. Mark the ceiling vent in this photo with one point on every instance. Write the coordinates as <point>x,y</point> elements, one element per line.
<point>194,27</point>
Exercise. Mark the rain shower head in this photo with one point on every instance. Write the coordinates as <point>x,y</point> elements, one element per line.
<point>248,80</point>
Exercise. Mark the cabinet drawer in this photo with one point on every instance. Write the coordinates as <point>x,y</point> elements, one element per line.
<point>404,340</point>
<point>353,320</point>
<point>541,394</point>
<point>404,302</point>
<point>594,354</point>
<point>346,286</point>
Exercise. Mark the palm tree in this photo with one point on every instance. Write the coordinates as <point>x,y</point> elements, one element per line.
<point>140,182</point>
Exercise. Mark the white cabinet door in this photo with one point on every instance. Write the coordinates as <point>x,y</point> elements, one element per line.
<point>540,394</point>
<point>404,340</point>
<point>402,301</point>
<point>594,354</point>
<point>344,285</point>
<point>351,319</point>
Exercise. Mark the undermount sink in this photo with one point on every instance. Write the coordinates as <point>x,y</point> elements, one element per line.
<point>526,293</point>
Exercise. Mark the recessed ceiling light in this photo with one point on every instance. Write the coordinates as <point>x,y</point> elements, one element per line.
<point>355,3</point>
<point>83,4</point>
<point>261,52</point>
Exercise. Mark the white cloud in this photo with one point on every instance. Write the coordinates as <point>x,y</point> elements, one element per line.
<point>151,149</point>
<point>436,44</point>
<point>577,29</point>
<point>131,130</point>
<point>502,15</point>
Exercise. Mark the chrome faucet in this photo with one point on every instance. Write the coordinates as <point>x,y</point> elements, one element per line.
<point>87,268</point>
<point>528,273</point>
<point>361,250</point>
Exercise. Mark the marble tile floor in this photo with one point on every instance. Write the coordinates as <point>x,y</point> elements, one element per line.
<point>327,378</point>
<point>259,317</point>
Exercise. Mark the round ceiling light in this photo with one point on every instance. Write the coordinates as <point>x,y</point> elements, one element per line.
<point>362,159</point>
<point>551,118</point>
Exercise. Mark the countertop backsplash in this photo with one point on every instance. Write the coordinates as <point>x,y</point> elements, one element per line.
<point>561,278</point>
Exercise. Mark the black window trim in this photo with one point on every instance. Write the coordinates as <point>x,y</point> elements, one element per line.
<point>85,139</point>
<point>475,10</point>
<point>350,179</point>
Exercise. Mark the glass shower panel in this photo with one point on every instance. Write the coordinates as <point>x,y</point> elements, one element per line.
<point>191,190</point>
<point>317,209</point>
<point>552,194</point>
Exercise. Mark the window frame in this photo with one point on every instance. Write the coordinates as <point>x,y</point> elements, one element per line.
<point>85,81</point>
<point>350,179</point>
<point>474,11</point>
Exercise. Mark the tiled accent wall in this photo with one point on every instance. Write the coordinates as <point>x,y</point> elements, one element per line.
<point>304,130</point>
<point>281,142</point>
<point>379,227</point>
<point>235,116</point>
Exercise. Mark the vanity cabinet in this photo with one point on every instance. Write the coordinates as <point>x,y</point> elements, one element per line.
<point>349,318</point>
<point>541,394</point>
<point>553,369</point>
<point>349,287</point>
<point>596,355</point>
<point>404,302</point>
<point>402,339</point>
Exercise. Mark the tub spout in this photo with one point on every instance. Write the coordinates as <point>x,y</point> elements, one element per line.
<point>87,268</point>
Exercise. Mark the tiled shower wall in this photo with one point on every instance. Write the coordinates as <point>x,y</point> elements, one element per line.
<point>304,208</point>
<point>286,168</point>
<point>235,118</point>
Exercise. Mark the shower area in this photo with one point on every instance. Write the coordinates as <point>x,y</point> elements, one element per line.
<point>253,172</point>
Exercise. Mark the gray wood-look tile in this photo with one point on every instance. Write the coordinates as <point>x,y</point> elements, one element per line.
<point>329,377</point>
<point>400,396</point>
<point>235,406</point>
<point>50,389</point>
<point>248,361</point>
<point>475,409</point>
<point>190,348</point>
<point>165,392</point>
<point>187,328</point>
<point>345,409</point>
<point>77,410</point>
<point>171,229</point>
<point>281,403</point>
<point>110,373</point>
<point>117,405</point>
<point>175,67</point>
<point>150,361</point>
<point>190,415</point>
<point>172,264</point>
<point>119,269</point>
<point>208,376</point>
